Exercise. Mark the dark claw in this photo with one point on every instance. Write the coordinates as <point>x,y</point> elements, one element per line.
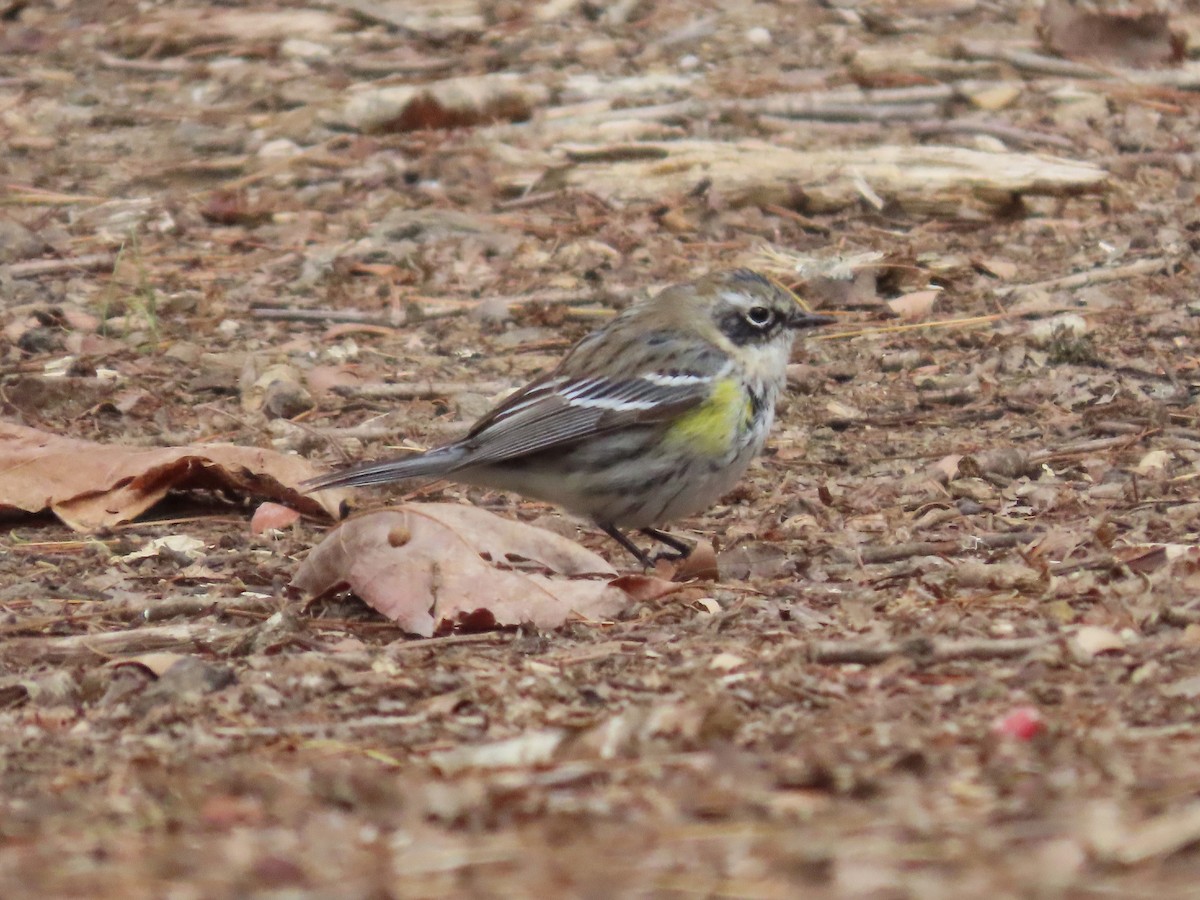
<point>680,549</point>
<point>629,545</point>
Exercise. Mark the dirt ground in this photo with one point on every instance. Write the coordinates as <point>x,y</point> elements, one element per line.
<point>954,649</point>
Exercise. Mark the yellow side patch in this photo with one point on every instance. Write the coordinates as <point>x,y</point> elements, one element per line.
<point>710,428</point>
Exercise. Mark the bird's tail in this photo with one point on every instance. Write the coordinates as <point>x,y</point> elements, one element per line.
<point>422,465</point>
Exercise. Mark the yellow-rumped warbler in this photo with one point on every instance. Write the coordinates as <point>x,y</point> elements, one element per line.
<point>650,419</point>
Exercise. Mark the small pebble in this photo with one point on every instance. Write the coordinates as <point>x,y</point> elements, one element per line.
<point>758,36</point>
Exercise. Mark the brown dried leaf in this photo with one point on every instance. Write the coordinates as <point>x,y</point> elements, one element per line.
<point>1139,40</point>
<point>90,486</point>
<point>452,103</point>
<point>646,588</point>
<point>700,565</point>
<point>321,380</point>
<point>429,566</point>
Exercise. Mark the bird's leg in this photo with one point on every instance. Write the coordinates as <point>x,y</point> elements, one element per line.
<point>629,545</point>
<point>681,547</point>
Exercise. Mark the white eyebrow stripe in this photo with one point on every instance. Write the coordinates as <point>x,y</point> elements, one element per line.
<point>661,380</point>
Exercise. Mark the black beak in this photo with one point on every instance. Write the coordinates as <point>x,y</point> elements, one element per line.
<point>801,319</point>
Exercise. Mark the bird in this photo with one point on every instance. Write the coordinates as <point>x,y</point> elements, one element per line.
<point>649,419</point>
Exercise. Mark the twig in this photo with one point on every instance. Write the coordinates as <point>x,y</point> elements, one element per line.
<point>528,200</point>
<point>451,307</point>
<point>484,637</point>
<point>303,729</point>
<point>24,195</point>
<point>854,112</point>
<point>842,104</point>
<point>419,390</point>
<point>1094,446</point>
<point>1102,275</point>
<point>967,544</point>
<point>392,15</point>
<point>115,643</point>
<point>924,650</point>
<point>1027,60</point>
<point>913,326</point>
<point>145,66</point>
<point>1182,77</point>
<point>190,607</point>
<point>35,268</point>
<point>1001,130</point>
<point>350,316</point>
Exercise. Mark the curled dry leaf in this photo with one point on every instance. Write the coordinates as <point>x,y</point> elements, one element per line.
<point>91,486</point>
<point>1092,640</point>
<point>1182,560</point>
<point>156,664</point>
<point>270,516</point>
<point>700,565</point>
<point>430,566</point>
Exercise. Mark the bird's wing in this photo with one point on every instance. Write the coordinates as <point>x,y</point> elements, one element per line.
<point>556,410</point>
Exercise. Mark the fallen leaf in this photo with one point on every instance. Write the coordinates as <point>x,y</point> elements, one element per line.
<point>1184,688</point>
<point>156,664</point>
<point>321,380</point>
<point>452,103</point>
<point>1001,268</point>
<point>992,97</point>
<point>430,566</point>
<point>699,565</point>
<point>1154,461</point>
<point>1132,39</point>
<point>843,412</point>
<point>915,306</point>
<point>91,486</point>
<point>272,516</point>
<point>180,544</point>
<point>946,467</point>
<point>530,749</point>
<point>1093,640</point>
<point>726,662</point>
<point>646,588</point>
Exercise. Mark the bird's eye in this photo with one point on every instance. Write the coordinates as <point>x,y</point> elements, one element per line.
<point>760,316</point>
